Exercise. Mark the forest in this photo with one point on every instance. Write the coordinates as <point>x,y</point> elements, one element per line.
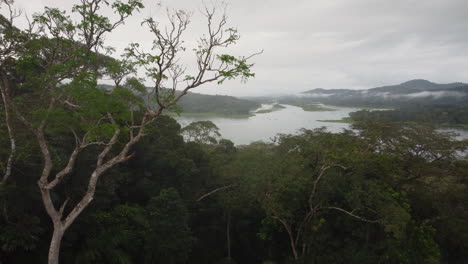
<point>448,116</point>
<point>94,175</point>
<point>196,103</point>
<point>387,194</point>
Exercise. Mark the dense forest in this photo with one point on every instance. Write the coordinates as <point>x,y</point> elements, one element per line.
<point>95,175</point>
<point>209,104</point>
<point>441,116</point>
<point>218,104</point>
<point>386,194</point>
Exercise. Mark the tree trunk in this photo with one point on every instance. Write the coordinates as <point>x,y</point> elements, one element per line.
<point>228,234</point>
<point>292,241</point>
<point>54,249</point>
<point>5,92</point>
<point>294,250</point>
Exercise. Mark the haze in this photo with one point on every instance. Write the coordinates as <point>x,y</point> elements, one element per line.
<point>326,43</point>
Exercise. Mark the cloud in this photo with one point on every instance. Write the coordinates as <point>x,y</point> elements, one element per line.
<point>328,43</point>
<point>436,95</point>
<point>316,95</point>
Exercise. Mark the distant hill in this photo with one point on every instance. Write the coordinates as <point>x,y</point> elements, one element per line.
<point>414,92</point>
<point>416,86</point>
<point>218,104</point>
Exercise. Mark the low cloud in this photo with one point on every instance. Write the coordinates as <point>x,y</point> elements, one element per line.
<point>317,95</point>
<point>435,95</point>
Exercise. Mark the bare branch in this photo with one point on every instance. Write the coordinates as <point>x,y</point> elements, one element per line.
<point>62,208</point>
<point>109,146</point>
<point>215,191</point>
<point>322,170</point>
<point>352,214</point>
<point>65,171</point>
<point>74,106</point>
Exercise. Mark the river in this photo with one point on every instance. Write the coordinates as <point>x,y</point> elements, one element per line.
<point>265,126</point>
<point>289,120</point>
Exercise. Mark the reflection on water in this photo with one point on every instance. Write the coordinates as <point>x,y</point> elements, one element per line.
<point>265,126</point>
<point>284,121</point>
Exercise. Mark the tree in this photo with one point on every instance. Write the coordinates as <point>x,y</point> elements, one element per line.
<point>309,178</point>
<point>170,239</point>
<point>9,42</point>
<point>157,233</point>
<point>205,132</point>
<point>57,96</point>
<point>229,197</point>
<point>430,166</point>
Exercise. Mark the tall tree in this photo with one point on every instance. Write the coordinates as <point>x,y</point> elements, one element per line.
<point>10,41</point>
<point>204,132</point>
<point>58,96</point>
<point>312,176</point>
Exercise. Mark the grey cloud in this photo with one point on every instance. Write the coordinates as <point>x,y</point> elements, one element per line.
<point>354,44</point>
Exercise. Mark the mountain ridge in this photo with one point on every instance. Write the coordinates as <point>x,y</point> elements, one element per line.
<point>415,85</point>
<point>414,92</point>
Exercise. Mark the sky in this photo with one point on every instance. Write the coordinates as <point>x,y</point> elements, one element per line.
<point>332,44</point>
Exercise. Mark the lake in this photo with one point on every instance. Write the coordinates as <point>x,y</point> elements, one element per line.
<point>285,121</point>
<point>265,126</point>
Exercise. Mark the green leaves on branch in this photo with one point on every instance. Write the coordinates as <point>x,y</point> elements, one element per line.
<point>128,8</point>
<point>55,22</point>
<point>155,233</point>
<point>205,132</point>
<point>237,67</point>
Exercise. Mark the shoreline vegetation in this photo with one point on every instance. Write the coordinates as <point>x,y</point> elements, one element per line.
<point>344,120</point>
<point>208,114</point>
<point>349,120</point>
<point>315,108</point>
<point>274,108</point>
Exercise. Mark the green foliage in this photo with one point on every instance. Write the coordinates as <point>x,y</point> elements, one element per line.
<point>407,179</point>
<point>118,234</point>
<point>170,239</point>
<point>218,104</point>
<point>19,230</point>
<point>23,233</point>
<point>154,216</point>
<point>239,67</point>
<point>205,132</point>
<point>129,8</point>
<point>441,115</point>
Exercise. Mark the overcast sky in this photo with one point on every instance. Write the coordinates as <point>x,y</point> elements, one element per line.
<point>310,44</point>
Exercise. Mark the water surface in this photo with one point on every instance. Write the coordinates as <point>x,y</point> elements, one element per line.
<point>285,121</point>
<point>266,126</point>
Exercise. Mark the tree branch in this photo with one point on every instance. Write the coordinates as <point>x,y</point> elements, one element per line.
<point>351,214</point>
<point>5,91</point>
<point>215,191</point>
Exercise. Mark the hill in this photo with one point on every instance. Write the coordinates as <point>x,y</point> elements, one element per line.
<point>412,101</point>
<point>214,104</point>
<point>219,104</point>
<point>414,92</point>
